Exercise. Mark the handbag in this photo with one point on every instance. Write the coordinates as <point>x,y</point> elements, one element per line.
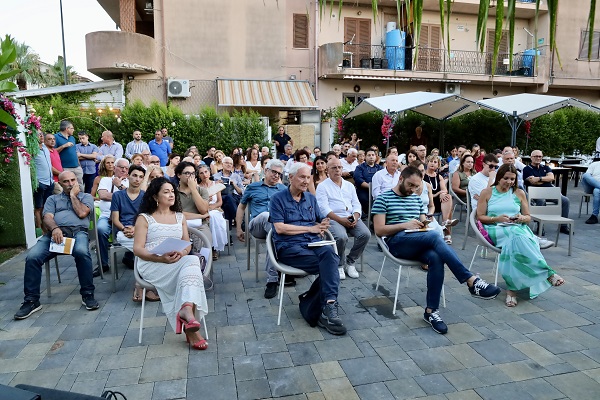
<point>484,233</point>
<point>310,303</point>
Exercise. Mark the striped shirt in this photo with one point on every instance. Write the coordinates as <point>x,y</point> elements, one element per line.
<point>398,209</point>
<point>135,148</point>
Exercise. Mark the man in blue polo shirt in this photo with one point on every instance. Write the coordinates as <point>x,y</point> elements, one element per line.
<point>297,222</point>
<point>258,196</point>
<point>160,148</point>
<point>65,145</point>
<point>87,152</point>
<point>363,175</point>
<point>43,166</point>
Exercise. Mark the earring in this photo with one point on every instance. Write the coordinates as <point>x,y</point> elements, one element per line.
<point>156,203</point>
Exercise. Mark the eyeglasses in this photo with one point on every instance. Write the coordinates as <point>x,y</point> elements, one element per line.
<point>155,162</point>
<point>188,173</point>
<point>276,173</point>
<point>536,156</point>
<point>492,166</point>
<point>335,167</point>
<point>122,166</point>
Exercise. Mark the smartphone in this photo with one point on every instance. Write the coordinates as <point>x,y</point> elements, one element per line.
<point>225,180</point>
<point>425,223</point>
<point>514,218</point>
<point>351,218</point>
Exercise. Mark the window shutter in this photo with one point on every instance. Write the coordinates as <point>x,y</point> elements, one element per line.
<point>300,31</point>
<point>583,50</point>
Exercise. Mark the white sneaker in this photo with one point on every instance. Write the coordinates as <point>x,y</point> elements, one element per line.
<point>342,274</point>
<point>545,243</point>
<point>351,271</point>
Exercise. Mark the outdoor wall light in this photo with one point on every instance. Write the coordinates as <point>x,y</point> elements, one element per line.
<point>51,111</point>
<point>130,77</point>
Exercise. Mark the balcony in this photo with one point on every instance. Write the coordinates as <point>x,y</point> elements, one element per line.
<point>112,54</point>
<point>339,61</point>
<point>523,8</point>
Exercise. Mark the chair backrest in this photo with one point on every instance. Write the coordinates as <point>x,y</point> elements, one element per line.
<point>452,193</point>
<point>482,241</point>
<point>272,254</point>
<point>468,204</point>
<point>552,207</point>
<point>386,252</point>
<point>204,243</point>
<point>138,278</point>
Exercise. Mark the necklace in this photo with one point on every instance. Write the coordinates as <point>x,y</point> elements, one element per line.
<point>431,180</point>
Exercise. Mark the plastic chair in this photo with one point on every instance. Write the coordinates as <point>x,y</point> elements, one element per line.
<point>200,240</point>
<point>483,243</point>
<point>467,224</point>
<point>114,250</point>
<point>249,238</point>
<point>457,200</point>
<point>549,213</point>
<point>587,198</point>
<point>286,269</point>
<point>148,286</point>
<point>400,262</point>
<point>47,269</point>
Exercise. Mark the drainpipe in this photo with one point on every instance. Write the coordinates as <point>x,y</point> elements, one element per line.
<point>316,57</point>
<point>164,50</point>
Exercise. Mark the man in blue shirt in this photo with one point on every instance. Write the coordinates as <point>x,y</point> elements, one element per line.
<point>257,196</point>
<point>45,179</point>
<point>363,175</point>
<point>87,152</point>
<point>160,148</point>
<point>297,222</point>
<point>397,216</point>
<point>109,146</point>
<point>65,145</point>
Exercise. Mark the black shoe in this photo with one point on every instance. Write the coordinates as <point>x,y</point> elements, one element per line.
<point>28,308</point>
<point>105,269</point>
<point>484,290</point>
<point>271,290</point>
<point>565,229</point>
<point>90,303</point>
<point>437,324</point>
<point>128,262</point>
<point>330,319</point>
<point>289,281</point>
<point>593,219</point>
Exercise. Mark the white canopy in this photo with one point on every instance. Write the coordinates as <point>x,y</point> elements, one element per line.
<point>440,106</point>
<point>529,106</point>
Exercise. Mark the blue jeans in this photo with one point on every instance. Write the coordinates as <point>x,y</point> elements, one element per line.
<point>104,230</point>
<point>315,260</point>
<point>40,253</point>
<point>592,186</point>
<point>429,248</point>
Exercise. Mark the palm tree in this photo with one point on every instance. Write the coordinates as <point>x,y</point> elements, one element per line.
<point>28,62</point>
<point>55,76</point>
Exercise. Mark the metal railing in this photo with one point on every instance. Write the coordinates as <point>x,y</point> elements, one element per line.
<point>436,60</point>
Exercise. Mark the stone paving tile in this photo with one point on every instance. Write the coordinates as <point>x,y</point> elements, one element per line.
<point>123,376</point>
<point>497,351</point>
<point>575,385</point>
<point>434,384</point>
<point>338,349</point>
<point>203,365</point>
<point>291,381</point>
<point>490,375</point>
<point>539,389</point>
<point>556,342</point>
<point>253,389</point>
<point>304,353</point>
<point>433,361</point>
<point>523,370</point>
<point>537,353</point>
<point>109,362</point>
<point>406,388</point>
<point>374,391</point>
<point>464,395</point>
<point>168,390</point>
<point>142,391</point>
<point>248,368</point>
<point>367,370</point>
<point>504,391</point>
<point>463,379</point>
<point>338,389</point>
<point>277,360</point>
<point>579,360</point>
<point>405,369</point>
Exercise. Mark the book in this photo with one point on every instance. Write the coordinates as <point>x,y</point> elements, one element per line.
<point>216,188</point>
<point>168,245</point>
<point>66,247</point>
<point>418,230</point>
<point>322,243</point>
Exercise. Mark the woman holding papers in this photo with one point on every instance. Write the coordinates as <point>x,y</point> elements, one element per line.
<point>176,275</point>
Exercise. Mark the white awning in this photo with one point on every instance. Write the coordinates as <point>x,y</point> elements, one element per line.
<point>258,93</point>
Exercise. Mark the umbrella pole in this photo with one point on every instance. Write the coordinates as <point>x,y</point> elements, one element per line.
<point>513,125</point>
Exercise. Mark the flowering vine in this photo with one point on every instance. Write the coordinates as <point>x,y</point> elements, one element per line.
<point>340,127</point>
<point>386,128</point>
<point>12,145</point>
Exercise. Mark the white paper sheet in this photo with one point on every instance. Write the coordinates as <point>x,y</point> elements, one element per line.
<point>168,245</point>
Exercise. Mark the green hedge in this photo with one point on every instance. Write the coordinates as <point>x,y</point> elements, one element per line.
<point>11,206</point>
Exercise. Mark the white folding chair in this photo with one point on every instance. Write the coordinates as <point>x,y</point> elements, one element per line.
<point>483,243</point>
<point>286,269</point>
<point>250,238</point>
<point>400,262</point>
<point>587,197</point>
<point>114,250</point>
<point>199,240</point>
<point>467,223</point>
<point>457,200</point>
<point>550,212</point>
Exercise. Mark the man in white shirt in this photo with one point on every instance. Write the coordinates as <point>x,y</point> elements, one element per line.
<point>338,201</point>
<point>106,188</point>
<point>591,184</point>
<point>136,146</point>
<point>387,178</point>
<point>455,163</point>
<point>349,163</point>
<point>483,179</point>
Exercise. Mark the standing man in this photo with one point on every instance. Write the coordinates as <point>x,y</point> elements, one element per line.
<point>160,148</point>
<point>397,211</point>
<point>257,196</point>
<point>297,221</point>
<point>167,138</point>
<point>87,153</point>
<point>422,153</point>
<point>386,178</point>
<point>109,146</point>
<point>65,145</point>
<point>65,215</point>
<point>363,175</point>
<point>338,201</point>
<point>50,142</point>
<point>280,140</point>
<point>591,184</point>
<point>136,146</point>
<point>210,156</point>
<point>419,138</point>
<point>45,179</point>
<point>536,174</point>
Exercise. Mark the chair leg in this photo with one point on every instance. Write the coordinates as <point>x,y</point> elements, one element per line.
<point>248,244</point>
<point>570,237</point>
<point>397,287</point>
<point>362,262</point>
<point>48,289</point>
<point>256,251</point>
<point>205,329</point>
<point>142,316</point>
<point>115,276</point>
<point>443,296</point>
<point>496,266</point>
<point>280,298</point>
<point>380,271</point>
<point>57,270</point>
<point>408,275</point>
<point>466,231</point>
<point>473,259</point>
<point>580,206</point>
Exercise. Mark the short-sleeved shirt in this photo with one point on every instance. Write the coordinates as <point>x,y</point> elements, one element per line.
<point>539,172</point>
<point>43,166</point>
<point>127,208</point>
<point>168,139</point>
<point>68,155</point>
<point>259,195</point>
<point>236,178</point>
<point>477,183</point>
<point>398,209</point>
<point>115,149</point>
<point>187,201</point>
<point>107,184</point>
<point>285,157</point>
<point>134,147</point>
<point>88,166</point>
<point>289,211</point>
<point>61,207</point>
<point>281,141</point>
<point>161,150</point>
<point>55,161</point>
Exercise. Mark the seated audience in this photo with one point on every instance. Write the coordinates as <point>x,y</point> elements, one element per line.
<point>591,184</point>
<point>253,167</point>
<point>363,175</point>
<point>106,169</point>
<point>216,165</point>
<point>386,178</point>
<point>216,222</point>
<point>453,165</point>
<point>483,179</point>
<point>462,176</point>
<point>441,199</point>
<point>233,188</point>
<point>172,163</point>
<point>349,163</point>
<point>319,173</point>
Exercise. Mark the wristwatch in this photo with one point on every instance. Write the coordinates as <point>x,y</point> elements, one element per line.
<point>540,178</point>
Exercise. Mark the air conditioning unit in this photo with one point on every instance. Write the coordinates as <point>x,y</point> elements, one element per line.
<point>453,88</point>
<point>178,88</point>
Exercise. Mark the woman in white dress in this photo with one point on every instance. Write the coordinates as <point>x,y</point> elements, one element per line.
<point>253,167</point>
<point>176,275</point>
<point>218,224</point>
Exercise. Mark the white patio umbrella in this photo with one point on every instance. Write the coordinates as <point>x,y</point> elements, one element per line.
<point>526,106</point>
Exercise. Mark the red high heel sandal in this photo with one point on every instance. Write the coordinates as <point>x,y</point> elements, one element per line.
<point>199,345</point>
<point>182,324</point>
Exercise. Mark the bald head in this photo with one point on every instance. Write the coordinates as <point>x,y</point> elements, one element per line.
<point>67,180</point>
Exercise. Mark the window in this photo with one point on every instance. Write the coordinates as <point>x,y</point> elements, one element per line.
<point>584,43</point>
<point>300,31</point>
<point>354,98</point>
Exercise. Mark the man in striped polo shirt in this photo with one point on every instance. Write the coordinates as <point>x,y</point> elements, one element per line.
<point>398,215</point>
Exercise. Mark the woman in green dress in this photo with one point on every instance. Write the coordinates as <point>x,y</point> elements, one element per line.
<point>504,212</point>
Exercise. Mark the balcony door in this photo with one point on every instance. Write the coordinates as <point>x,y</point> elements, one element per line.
<point>501,69</point>
<point>357,30</point>
<point>430,52</point>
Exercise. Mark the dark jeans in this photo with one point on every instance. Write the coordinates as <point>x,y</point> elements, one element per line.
<point>88,182</point>
<point>315,260</point>
<point>429,248</point>
<point>230,203</point>
<point>41,194</point>
<point>363,198</point>
<point>40,253</point>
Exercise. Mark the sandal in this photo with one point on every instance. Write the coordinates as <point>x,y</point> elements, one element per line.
<point>183,325</point>
<point>215,255</point>
<point>199,345</point>
<point>425,267</point>
<point>450,222</point>
<point>448,239</point>
<point>137,295</point>
<point>152,296</point>
<point>556,280</point>
<point>511,301</point>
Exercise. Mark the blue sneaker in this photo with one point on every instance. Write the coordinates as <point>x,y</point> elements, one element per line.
<point>484,290</point>
<point>437,324</point>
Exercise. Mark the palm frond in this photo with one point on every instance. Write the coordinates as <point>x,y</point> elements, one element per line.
<point>497,33</point>
<point>482,17</point>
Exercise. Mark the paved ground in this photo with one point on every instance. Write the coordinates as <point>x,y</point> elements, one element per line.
<point>548,348</point>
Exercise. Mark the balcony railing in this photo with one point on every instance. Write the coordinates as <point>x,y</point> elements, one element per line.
<point>437,60</point>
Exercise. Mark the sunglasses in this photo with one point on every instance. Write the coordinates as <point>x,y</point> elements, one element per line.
<point>493,166</point>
